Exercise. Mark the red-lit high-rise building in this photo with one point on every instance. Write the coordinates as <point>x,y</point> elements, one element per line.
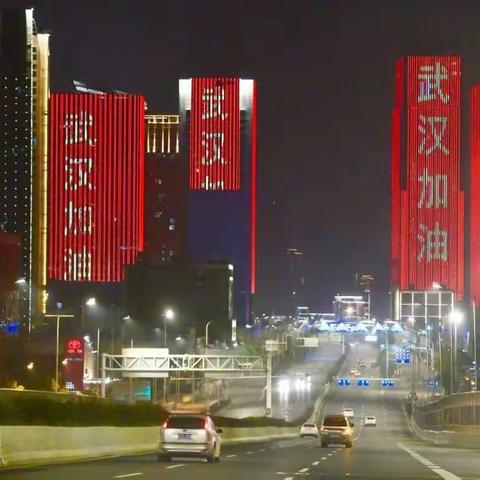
<point>475,193</point>
<point>96,185</point>
<point>218,142</point>
<point>427,240</point>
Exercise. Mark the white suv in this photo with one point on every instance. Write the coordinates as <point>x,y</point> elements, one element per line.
<point>185,435</point>
<point>308,430</point>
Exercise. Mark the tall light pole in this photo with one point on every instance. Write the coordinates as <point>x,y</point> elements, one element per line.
<point>455,318</point>
<point>58,316</point>
<point>168,314</point>
<point>474,344</point>
<point>92,302</point>
<point>206,334</point>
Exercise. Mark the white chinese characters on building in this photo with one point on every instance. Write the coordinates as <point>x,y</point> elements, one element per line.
<point>430,79</point>
<point>79,207</point>
<point>433,138</point>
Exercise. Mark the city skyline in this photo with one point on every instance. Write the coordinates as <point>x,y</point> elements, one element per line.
<point>359,154</point>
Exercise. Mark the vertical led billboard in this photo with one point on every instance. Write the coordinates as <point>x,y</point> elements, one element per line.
<point>427,233</point>
<point>475,192</point>
<point>96,183</point>
<point>215,134</point>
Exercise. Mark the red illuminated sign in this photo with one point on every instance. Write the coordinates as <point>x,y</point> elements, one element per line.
<point>428,214</point>
<point>74,347</point>
<point>96,183</point>
<point>215,134</point>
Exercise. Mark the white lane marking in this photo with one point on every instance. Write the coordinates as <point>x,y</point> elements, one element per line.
<point>315,463</point>
<point>232,455</point>
<point>329,455</point>
<point>175,466</point>
<point>324,458</point>
<point>248,453</point>
<point>304,470</point>
<point>262,449</point>
<point>128,475</point>
<point>288,478</point>
<point>425,461</point>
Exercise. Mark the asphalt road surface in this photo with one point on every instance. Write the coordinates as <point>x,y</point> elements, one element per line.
<point>248,395</point>
<point>383,452</point>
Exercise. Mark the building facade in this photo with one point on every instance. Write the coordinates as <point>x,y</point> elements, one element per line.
<point>96,185</point>
<point>218,142</point>
<point>24,83</point>
<point>475,193</point>
<point>165,190</point>
<point>427,208</point>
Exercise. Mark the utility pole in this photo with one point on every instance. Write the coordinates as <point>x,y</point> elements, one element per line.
<point>268,396</point>
<point>386,352</point>
<point>475,344</point>
<point>58,317</point>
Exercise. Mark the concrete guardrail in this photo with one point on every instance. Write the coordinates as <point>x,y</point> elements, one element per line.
<point>35,445</point>
<point>442,437</point>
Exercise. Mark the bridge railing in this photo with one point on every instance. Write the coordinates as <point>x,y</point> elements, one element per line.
<point>460,411</point>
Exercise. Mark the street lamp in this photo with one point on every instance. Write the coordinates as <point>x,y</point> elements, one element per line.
<point>58,317</point>
<point>456,317</point>
<point>206,334</point>
<point>168,314</point>
<point>92,302</point>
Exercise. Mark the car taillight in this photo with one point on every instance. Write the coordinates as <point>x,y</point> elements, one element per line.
<point>165,424</point>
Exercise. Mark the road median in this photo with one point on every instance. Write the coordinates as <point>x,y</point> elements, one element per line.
<point>38,445</point>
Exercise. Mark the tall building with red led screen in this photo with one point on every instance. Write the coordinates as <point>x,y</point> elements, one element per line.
<point>427,203</point>
<point>96,185</point>
<point>475,192</point>
<point>218,141</point>
<point>215,134</point>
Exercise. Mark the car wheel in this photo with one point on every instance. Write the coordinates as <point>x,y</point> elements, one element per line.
<point>348,445</point>
<point>217,459</point>
<point>163,458</point>
<point>324,444</point>
<point>211,458</point>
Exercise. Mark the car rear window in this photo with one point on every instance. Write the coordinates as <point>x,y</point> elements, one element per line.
<point>186,422</point>
<point>337,421</point>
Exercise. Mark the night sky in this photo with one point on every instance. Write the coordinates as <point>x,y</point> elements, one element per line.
<point>325,89</point>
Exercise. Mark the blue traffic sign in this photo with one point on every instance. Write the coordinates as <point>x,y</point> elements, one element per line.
<point>363,382</point>
<point>344,382</point>
<point>387,382</point>
<point>432,383</point>
<point>402,356</point>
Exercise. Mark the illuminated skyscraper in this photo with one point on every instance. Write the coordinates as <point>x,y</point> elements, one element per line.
<point>24,87</point>
<point>218,142</point>
<point>165,190</point>
<point>427,201</point>
<point>96,185</point>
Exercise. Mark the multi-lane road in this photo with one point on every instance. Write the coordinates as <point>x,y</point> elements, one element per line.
<point>384,452</point>
<point>247,397</point>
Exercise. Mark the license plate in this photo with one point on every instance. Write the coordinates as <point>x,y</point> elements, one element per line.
<point>184,436</point>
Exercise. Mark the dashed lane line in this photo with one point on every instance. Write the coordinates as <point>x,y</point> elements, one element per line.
<point>232,455</point>
<point>304,470</point>
<point>427,463</point>
<point>176,466</point>
<point>315,463</point>
<point>137,474</point>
